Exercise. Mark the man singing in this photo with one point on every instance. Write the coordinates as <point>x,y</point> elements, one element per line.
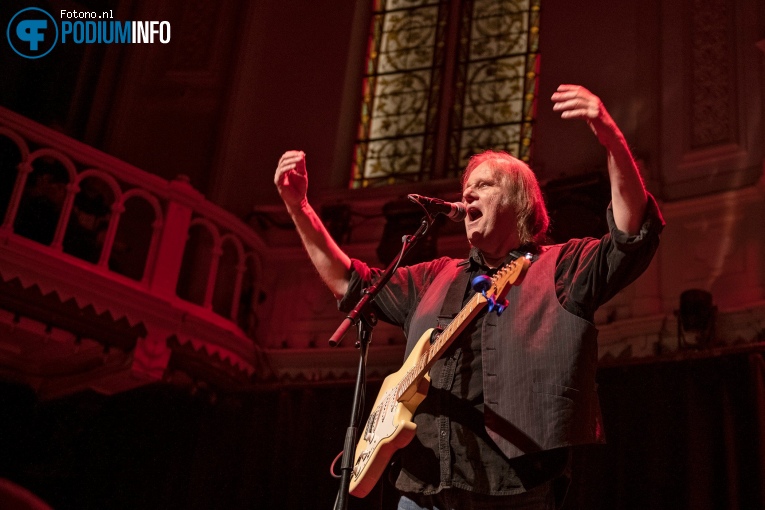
<point>515,392</point>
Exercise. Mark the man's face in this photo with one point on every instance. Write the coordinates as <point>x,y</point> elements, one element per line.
<point>491,220</point>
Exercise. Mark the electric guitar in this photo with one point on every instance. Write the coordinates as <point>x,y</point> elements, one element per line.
<point>389,426</point>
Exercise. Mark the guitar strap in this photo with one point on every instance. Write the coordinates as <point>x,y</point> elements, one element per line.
<point>454,296</point>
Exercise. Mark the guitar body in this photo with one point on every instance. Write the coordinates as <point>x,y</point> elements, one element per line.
<point>389,426</point>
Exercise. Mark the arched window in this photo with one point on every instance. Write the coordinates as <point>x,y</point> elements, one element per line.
<point>43,200</point>
<point>250,297</point>
<point>228,278</point>
<point>136,235</point>
<point>89,219</point>
<point>197,259</point>
<point>10,157</point>
<point>443,81</point>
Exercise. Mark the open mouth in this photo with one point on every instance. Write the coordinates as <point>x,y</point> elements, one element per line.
<point>474,213</point>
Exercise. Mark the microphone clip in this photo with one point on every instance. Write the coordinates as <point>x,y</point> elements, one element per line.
<point>455,211</point>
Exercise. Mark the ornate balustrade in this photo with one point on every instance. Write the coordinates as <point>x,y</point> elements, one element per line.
<point>149,261</point>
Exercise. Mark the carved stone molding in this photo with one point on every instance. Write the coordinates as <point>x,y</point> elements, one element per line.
<point>711,97</point>
<point>711,77</point>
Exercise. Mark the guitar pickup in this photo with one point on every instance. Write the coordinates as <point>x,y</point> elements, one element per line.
<point>372,421</point>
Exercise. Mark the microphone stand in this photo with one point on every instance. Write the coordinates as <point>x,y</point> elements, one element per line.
<point>365,319</point>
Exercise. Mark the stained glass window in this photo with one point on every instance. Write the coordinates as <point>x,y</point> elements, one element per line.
<point>445,80</point>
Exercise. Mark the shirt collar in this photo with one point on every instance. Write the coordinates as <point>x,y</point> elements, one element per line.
<point>475,258</point>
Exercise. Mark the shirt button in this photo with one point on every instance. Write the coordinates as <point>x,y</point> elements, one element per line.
<point>443,433</point>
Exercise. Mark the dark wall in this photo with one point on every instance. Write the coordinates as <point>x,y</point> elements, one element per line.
<point>241,82</point>
<point>608,47</point>
<point>681,435</point>
<point>611,48</point>
<point>160,448</point>
<point>292,93</point>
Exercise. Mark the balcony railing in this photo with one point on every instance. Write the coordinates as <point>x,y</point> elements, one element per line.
<point>68,210</point>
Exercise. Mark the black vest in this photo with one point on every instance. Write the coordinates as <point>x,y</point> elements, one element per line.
<point>539,363</point>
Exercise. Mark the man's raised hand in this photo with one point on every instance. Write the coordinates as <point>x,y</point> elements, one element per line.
<point>291,178</point>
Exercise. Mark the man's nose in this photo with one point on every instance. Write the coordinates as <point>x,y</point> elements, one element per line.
<point>468,195</point>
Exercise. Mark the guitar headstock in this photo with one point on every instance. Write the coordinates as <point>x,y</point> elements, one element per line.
<point>496,288</point>
<point>510,274</point>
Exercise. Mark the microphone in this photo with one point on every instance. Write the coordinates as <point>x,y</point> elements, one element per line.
<point>455,211</point>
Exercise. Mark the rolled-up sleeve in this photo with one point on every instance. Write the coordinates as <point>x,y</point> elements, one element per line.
<point>649,232</point>
<point>589,272</point>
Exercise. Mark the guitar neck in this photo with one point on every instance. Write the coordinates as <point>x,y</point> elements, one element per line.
<point>441,343</point>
